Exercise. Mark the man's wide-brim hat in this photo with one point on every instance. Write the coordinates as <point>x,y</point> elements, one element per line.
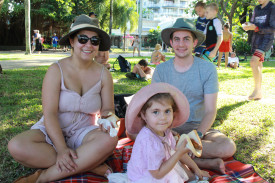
<point>133,120</point>
<point>179,25</point>
<point>83,22</point>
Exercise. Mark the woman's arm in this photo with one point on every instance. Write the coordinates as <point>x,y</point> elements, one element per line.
<point>107,94</point>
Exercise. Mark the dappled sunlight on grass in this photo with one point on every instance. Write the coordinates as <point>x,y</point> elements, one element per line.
<point>249,123</point>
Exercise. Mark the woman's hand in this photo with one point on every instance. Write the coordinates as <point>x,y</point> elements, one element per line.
<point>65,160</point>
<point>201,174</point>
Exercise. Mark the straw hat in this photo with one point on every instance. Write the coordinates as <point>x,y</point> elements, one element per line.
<point>179,25</point>
<point>83,22</point>
<point>134,122</point>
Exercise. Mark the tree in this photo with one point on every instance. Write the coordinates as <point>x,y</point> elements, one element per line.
<point>1,4</point>
<point>154,37</point>
<point>126,12</point>
<point>27,26</point>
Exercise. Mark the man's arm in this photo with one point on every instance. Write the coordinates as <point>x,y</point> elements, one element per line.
<point>210,104</point>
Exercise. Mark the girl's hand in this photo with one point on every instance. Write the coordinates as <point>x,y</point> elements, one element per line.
<point>182,148</point>
<point>201,174</point>
<point>103,129</point>
<point>65,162</point>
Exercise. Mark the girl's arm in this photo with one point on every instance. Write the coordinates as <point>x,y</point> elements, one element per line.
<point>50,103</point>
<point>168,165</point>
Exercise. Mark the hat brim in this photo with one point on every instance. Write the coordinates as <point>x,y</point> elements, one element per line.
<point>134,123</point>
<point>165,35</point>
<point>105,42</point>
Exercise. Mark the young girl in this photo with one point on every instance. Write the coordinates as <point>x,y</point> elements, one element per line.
<point>226,45</point>
<point>150,116</point>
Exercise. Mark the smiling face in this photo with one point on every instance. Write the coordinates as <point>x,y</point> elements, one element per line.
<point>159,116</point>
<point>183,43</point>
<point>85,51</point>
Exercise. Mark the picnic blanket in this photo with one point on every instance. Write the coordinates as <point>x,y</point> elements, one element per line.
<point>236,172</point>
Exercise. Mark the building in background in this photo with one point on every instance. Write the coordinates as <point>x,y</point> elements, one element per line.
<point>162,13</point>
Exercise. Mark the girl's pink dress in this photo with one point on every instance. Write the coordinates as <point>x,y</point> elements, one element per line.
<point>149,152</point>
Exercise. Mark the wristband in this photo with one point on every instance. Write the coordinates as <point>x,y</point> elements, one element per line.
<point>200,134</point>
<point>257,29</point>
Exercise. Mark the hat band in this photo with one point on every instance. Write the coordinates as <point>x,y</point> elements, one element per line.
<point>82,26</point>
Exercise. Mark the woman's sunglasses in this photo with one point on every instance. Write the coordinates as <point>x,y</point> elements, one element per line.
<point>83,39</point>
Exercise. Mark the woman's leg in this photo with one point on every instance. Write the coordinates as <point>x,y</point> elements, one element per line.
<point>220,58</point>
<point>95,149</point>
<point>30,149</point>
<point>226,54</point>
<point>134,51</point>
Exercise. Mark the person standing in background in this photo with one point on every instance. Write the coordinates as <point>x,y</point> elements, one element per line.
<point>263,25</point>
<point>54,41</point>
<point>135,45</point>
<point>200,24</point>
<point>226,45</point>
<point>213,30</point>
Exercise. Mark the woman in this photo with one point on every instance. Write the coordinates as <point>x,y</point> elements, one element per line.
<point>135,45</point>
<point>38,44</point>
<point>226,45</point>
<point>66,140</point>
<point>157,56</point>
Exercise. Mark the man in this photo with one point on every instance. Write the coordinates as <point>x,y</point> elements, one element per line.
<point>92,15</point>
<point>198,80</point>
<point>141,71</point>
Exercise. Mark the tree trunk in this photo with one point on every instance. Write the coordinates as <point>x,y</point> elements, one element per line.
<point>27,26</point>
<point>111,18</point>
<point>124,39</point>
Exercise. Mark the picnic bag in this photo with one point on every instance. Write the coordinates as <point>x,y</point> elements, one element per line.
<point>124,65</point>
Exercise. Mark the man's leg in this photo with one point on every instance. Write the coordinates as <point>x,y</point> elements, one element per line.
<point>216,147</point>
<point>256,66</point>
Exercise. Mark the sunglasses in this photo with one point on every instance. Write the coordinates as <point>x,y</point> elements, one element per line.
<point>83,39</point>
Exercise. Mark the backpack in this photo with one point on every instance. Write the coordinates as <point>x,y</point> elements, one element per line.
<point>124,65</point>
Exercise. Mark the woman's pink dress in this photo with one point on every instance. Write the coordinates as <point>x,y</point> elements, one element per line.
<point>77,114</point>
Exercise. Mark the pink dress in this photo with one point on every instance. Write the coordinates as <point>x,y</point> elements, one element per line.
<point>149,152</point>
<point>77,114</point>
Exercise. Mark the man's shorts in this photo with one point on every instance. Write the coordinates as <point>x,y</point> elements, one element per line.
<point>54,45</point>
<point>260,54</point>
<point>189,126</point>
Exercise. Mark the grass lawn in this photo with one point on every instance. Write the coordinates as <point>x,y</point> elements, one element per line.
<point>249,123</point>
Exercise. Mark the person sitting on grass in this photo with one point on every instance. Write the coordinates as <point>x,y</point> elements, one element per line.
<point>67,141</point>
<point>157,56</point>
<point>233,61</point>
<point>141,71</point>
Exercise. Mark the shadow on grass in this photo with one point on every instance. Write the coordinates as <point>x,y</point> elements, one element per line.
<point>223,112</point>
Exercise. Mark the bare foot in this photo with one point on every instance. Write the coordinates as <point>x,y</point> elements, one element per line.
<point>216,164</point>
<point>255,96</point>
<point>101,169</point>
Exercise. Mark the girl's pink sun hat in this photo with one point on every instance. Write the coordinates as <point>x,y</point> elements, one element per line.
<point>134,122</point>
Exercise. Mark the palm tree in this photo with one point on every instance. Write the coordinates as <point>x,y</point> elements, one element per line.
<point>125,11</point>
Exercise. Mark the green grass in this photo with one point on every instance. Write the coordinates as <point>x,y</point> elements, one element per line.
<point>249,123</point>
